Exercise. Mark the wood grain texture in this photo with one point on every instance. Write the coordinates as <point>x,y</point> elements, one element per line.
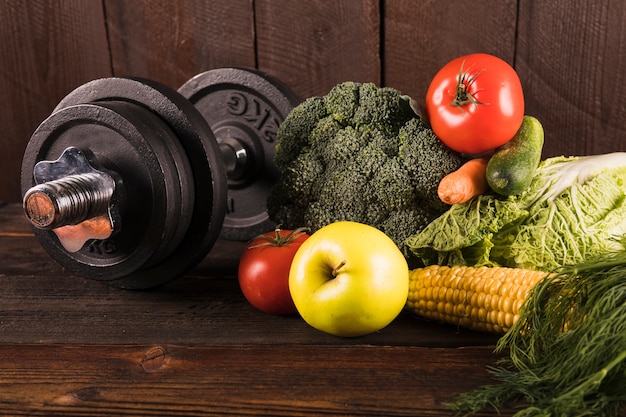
<point>422,36</point>
<point>571,59</point>
<point>277,380</point>
<point>171,41</point>
<point>59,309</point>
<point>47,49</point>
<point>317,44</point>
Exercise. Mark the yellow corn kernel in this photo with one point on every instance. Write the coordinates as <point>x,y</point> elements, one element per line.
<point>479,298</point>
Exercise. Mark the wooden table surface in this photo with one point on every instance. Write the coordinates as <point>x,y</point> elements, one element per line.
<point>71,346</point>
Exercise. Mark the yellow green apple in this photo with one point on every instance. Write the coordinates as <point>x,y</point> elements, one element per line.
<point>349,279</point>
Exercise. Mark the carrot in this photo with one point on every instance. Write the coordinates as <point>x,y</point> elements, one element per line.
<point>469,181</point>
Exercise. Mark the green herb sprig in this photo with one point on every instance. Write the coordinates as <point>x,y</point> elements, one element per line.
<point>567,352</point>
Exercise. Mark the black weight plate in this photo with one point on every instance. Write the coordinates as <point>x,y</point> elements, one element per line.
<point>139,147</point>
<point>247,106</point>
<point>202,151</point>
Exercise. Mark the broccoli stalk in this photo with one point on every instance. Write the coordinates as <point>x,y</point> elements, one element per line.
<point>360,153</point>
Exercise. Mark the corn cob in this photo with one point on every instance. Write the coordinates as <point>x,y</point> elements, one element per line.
<point>480,298</point>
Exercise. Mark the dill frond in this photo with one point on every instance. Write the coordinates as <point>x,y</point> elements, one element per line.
<point>567,351</point>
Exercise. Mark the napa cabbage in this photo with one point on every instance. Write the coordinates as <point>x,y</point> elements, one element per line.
<point>573,211</point>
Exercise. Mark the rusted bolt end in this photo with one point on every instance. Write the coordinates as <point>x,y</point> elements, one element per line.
<point>40,209</point>
<point>154,360</point>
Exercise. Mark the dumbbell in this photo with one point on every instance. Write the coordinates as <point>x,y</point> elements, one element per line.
<point>131,182</point>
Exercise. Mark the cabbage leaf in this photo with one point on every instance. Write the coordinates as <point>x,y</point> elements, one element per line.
<point>573,211</point>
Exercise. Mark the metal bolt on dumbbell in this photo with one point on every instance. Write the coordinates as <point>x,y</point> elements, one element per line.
<point>73,199</point>
<point>131,182</point>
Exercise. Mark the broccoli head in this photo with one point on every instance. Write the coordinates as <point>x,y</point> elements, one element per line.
<point>359,153</point>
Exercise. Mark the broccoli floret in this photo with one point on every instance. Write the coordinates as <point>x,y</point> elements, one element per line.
<point>338,191</point>
<point>335,200</point>
<point>296,129</point>
<point>388,142</point>
<point>317,215</point>
<point>300,183</point>
<point>360,154</point>
<point>426,158</point>
<point>398,224</point>
<point>394,187</point>
<point>279,206</point>
<point>369,159</point>
<point>344,145</point>
<point>342,101</point>
<point>324,132</point>
<point>382,108</point>
<point>405,220</point>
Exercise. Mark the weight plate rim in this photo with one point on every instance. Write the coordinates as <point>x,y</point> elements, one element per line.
<point>194,87</point>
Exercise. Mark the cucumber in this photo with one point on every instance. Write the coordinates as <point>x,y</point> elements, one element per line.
<point>512,166</point>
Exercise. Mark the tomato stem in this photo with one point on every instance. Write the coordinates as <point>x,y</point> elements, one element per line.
<point>463,96</point>
<point>336,269</point>
<point>279,239</point>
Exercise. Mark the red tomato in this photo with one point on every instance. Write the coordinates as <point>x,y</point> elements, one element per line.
<point>475,103</point>
<point>264,270</point>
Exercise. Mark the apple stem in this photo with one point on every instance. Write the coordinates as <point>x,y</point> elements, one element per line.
<point>337,268</point>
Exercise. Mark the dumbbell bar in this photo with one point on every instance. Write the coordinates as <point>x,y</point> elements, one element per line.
<point>131,182</point>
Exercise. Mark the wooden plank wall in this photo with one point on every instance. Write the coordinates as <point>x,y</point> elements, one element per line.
<point>570,55</point>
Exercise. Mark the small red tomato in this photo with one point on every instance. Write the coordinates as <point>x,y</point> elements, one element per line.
<point>475,103</point>
<point>264,270</point>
